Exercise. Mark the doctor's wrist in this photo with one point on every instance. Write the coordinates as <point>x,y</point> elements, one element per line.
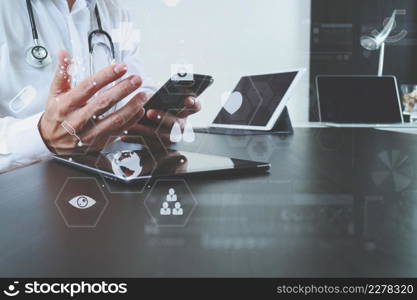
<point>43,137</point>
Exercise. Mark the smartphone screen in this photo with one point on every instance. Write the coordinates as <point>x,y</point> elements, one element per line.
<point>171,96</point>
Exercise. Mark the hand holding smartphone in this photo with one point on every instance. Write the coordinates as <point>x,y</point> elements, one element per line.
<point>171,96</point>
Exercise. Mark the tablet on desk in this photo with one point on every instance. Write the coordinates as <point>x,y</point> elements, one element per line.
<point>257,101</point>
<point>359,101</point>
<point>139,165</point>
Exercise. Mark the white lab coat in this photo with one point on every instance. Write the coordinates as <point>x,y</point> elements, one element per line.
<point>58,28</point>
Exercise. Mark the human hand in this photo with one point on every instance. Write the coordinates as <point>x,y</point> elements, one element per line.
<point>67,127</point>
<point>165,121</point>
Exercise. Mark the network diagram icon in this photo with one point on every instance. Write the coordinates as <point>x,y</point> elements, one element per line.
<point>166,210</point>
<point>170,203</point>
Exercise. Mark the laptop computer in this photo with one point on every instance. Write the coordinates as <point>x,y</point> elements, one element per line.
<point>359,101</point>
<point>256,103</point>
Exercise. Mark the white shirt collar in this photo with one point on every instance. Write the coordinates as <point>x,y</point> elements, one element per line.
<point>78,5</point>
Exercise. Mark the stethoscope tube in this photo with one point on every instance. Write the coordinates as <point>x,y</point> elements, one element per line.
<point>38,56</point>
<point>100,31</point>
<point>32,20</point>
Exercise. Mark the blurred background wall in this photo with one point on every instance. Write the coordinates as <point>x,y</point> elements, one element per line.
<point>226,39</point>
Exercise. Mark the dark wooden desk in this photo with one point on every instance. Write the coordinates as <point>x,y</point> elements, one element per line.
<point>338,202</point>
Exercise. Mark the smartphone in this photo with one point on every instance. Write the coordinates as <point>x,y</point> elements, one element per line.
<point>171,96</point>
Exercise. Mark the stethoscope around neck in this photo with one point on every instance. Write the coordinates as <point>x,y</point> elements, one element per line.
<point>38,56</point>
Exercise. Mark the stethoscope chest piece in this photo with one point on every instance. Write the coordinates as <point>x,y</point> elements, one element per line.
<point>38,57</point>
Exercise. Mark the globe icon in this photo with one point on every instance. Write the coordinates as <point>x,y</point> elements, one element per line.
<point>126,164</point>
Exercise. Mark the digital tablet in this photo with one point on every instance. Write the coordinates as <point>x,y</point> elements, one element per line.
<point>358,100</point>
<point>257,101</point>
<point>139,165</point>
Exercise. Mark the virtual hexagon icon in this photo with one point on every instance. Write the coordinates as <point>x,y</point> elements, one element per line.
<point>393,170</point>
<point>127,165</point>
<point>261,148</point>
<point>81,202</point>
<point>184,82</point>
<point>82,147</point>
<point>181,133</point>
<point>170,203</point>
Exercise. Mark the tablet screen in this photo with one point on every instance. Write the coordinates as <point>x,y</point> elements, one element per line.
<point>255,99</point>
<point>359,99</point>
<point>140,164</point>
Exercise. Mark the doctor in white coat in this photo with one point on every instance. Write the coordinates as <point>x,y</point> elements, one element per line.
<point>49,110</point>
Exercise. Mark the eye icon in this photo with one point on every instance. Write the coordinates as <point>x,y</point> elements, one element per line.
<point>82,202</point>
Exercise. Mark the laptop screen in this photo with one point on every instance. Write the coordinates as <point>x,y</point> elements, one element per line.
<point>358,100</point>
<point>255,99</point>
